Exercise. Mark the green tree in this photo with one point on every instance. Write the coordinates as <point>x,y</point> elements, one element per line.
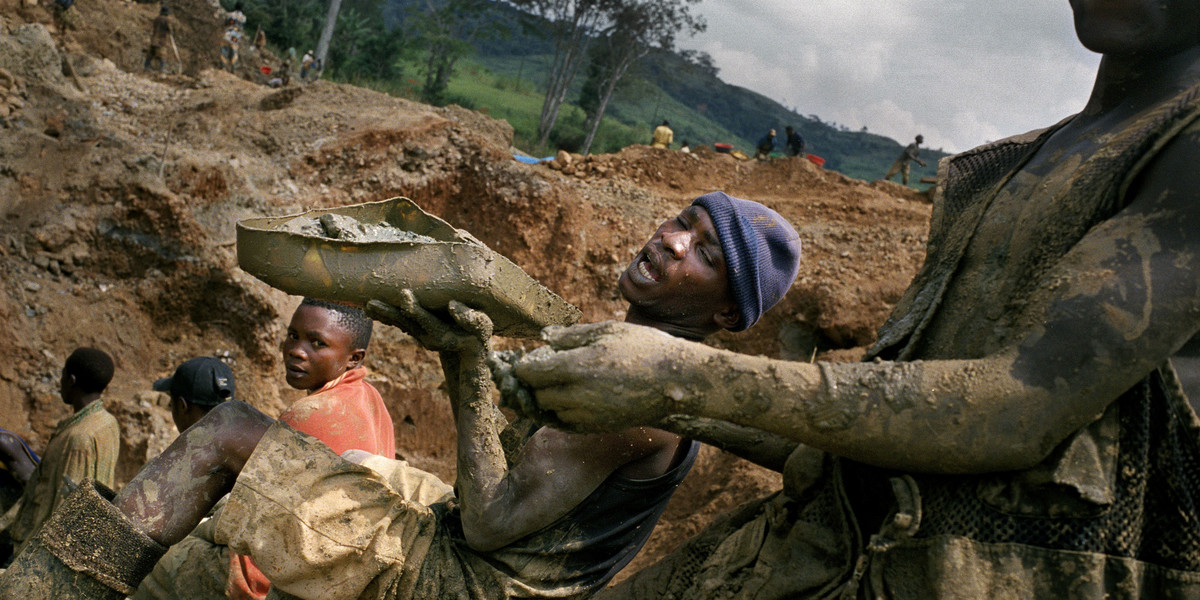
<point>446,30</point>
<point>636,27</point>
<point>288,23</point>
<point>366,48</point>
<point>573,25</point>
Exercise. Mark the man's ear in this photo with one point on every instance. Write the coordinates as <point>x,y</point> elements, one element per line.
<point>356,358</point>
<point>729,317</point>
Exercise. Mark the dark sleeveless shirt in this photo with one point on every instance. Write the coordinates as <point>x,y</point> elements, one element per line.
<point>582,551</point>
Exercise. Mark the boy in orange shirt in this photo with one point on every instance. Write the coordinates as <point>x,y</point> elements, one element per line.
<point>323,353</point>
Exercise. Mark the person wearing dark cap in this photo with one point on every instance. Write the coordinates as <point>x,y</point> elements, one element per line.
<point>558,522</point>
<point>195,568</point>
<point>197,386</point>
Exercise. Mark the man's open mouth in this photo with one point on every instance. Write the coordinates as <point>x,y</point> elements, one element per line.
<point>646,268</point>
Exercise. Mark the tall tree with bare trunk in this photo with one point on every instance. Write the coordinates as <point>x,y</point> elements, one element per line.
<point>574,24</point>
<point>634,28</point>
<point>327,31</point>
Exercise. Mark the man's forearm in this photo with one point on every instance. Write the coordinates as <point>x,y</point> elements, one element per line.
<point>755,445</point>
<point>481,461</point>
<point>943,416</point>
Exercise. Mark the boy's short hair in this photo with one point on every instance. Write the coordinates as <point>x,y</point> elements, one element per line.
<point>91,368</point>
<point>353,319</point>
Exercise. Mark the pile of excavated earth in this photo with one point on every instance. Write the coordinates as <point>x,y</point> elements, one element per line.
<point>120,190</point>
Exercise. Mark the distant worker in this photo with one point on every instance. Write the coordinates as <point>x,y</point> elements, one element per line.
<point>685,147</point>
<point>161,34</point>
<point>794,142</point>
<point>289,66</point>
<point>765,146</point>
<point>306,65</point>
<point>260,41</point>
<point>901,166</point>
<point>65,15</point>
<point>231,39</point>
<point>663,136</point>
<point>83,445</point>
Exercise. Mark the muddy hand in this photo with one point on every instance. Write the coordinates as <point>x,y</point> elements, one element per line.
<point>514,394</point>
<point>606,376</point>
<point>470,327</point>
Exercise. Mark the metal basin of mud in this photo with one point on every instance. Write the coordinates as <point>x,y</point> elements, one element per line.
<point>441,263</point>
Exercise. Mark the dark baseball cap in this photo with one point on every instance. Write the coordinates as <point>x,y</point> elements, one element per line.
<point>201,380</point>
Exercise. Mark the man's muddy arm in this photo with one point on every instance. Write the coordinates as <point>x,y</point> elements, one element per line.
<point>175,490</point>
<point>1114,309</point>
<point>755,445</point>
<point>501,500</point>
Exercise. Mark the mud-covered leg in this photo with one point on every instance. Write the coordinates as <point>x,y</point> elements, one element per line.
<point>97,546</point>
<point>87,550</point>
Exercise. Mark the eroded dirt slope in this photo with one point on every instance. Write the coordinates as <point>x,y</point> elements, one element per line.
<point>119,193</point>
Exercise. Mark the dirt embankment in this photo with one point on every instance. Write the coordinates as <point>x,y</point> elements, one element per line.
<point>118,198</point>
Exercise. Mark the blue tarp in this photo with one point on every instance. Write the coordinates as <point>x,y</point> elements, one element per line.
<point>530,160</point>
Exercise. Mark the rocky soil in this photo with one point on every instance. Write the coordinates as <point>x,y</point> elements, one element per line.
<point>119,191</point>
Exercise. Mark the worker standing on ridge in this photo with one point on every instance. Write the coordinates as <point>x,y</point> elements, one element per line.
<point>765,146</point>
<point>663,136</point>
<point>161,34</point>
<point>911,152</point>
<point>794,142</point>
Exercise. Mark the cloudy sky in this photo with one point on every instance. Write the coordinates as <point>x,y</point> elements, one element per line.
<point>960,72</point>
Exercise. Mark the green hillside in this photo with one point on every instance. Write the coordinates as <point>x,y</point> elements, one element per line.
<point>505,78</point>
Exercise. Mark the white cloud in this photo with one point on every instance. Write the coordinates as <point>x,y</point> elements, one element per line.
<point>960,73</point>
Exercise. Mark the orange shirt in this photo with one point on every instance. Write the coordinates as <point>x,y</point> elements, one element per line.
<point>346,413</point>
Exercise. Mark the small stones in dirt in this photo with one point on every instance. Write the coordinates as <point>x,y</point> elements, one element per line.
<point>12,96</point>
<point>280,99</point>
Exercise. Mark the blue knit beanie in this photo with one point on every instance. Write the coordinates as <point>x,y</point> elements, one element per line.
<point>762,253</point>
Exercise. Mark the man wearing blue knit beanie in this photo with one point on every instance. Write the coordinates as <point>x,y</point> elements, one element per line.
<point>762,253</point>
<point>734,254</point>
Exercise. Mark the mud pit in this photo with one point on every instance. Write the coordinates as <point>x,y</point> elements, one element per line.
<point>119,206</point>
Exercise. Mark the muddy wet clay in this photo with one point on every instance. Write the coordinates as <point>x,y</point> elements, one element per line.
<point>373,251</point>
<point>347,228</point>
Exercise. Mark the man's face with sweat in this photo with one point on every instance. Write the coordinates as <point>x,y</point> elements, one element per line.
<point>680,274</point>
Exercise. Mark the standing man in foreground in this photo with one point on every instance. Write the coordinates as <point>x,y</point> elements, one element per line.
<point>83,446</point>
<point>558,522</point>
<point>1018,431</point>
